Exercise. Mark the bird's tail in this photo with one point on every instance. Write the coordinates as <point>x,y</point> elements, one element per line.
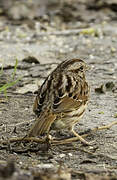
<point>42,124</point>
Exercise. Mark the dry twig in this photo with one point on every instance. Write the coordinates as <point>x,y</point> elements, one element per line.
<point>56,142</point>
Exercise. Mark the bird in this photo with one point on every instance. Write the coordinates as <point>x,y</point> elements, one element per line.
<point>62,99</point>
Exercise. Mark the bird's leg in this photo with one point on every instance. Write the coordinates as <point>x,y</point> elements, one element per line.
<point>80,137</point>
<point>69,140</point>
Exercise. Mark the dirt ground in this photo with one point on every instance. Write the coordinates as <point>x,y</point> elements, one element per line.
<point>40,37</point>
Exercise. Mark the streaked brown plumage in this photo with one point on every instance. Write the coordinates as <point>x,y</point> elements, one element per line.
<point>62,99</point>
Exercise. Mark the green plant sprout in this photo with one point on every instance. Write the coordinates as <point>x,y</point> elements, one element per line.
<point>9,84</point>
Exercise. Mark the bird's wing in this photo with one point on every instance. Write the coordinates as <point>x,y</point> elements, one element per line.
<point>69,98</point>
<point>42,98</point>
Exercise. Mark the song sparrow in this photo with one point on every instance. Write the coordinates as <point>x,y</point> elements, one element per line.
<point>62,99</point>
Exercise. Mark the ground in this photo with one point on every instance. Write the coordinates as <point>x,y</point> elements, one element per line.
<point>86,30</point>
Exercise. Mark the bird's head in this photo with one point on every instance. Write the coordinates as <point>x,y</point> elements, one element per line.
<point>76,66</point>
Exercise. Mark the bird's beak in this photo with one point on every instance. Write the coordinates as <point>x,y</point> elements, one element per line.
<point>88,68</point>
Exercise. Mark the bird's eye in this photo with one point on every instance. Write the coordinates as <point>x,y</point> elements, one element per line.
<point>81,68</point>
